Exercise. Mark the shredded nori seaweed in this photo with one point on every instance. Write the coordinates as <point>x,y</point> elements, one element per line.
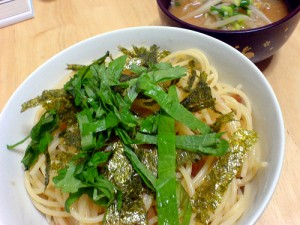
<point>221,120</point>
<point>148,156</point>
<point>121,173</point>
<point>210,193</point>
<point>143,56</point>
<point>132,213</point>
<point>183,157</point>
<point>62,102</point>
<point>200,96</point>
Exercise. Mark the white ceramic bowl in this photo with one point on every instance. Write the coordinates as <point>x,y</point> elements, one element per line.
<point>234,68</point>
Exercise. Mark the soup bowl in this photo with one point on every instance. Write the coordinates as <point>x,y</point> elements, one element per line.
<point>257,44</point>
<point>16,207</point>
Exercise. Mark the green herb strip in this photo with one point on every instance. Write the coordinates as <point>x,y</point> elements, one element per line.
<point>173,108</point>
<point>40,138</point>
<point>203,143</point>
<point>166,201</point>
<point>80,178</point>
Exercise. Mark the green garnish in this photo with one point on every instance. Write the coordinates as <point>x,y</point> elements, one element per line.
<point>81,177</point>
<point>211,143</point>
<point>238,7</point>
<point>166,200</point>
<point>40,138</point>
<point>173,108</point>
<point>95,113</point>
<point>62,104</point>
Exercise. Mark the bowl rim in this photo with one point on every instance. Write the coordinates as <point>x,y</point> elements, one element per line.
<point>207,30</point>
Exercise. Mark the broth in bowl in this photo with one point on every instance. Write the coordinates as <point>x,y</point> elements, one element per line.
<point>229,14</point>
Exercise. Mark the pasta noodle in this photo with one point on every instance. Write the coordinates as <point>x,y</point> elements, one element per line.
<point>50,200</point>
